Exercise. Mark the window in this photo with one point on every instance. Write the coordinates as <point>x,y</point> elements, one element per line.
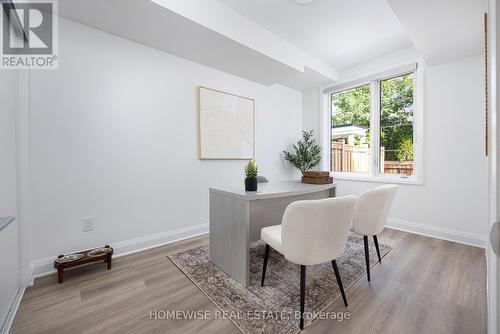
<point>396,125</point>
<point>350,135</point>
<point>372,130</point>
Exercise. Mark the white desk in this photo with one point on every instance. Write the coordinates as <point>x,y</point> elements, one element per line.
<point>237,216</point>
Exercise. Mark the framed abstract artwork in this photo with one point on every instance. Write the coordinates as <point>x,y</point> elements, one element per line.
<point>226,125</point>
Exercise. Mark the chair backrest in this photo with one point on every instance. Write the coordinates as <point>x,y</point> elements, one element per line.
<point>315,231</point>
<point>372,209</point>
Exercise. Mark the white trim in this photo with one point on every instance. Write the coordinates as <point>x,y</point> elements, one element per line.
<point>43,267</point>
<point>325,130</point>
<point>375,110</point>
<point>418,125</point>
<point>382,69</point>
<point>381,178</point>
<point>466,238</point>
<point>7,324</point>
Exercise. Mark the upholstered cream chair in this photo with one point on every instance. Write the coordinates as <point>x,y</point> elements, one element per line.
<point>312,232</point>
<point>371,215</point>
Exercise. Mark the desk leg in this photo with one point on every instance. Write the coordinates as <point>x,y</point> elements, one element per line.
<point>229,241</point>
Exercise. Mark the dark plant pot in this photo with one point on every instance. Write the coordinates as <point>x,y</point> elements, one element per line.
<point>251,184</point>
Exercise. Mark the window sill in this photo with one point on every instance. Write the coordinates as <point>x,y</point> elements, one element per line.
<point>378,179</point>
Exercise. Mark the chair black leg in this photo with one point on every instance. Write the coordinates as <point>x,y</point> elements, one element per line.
<point>302,294</point>
<point>264,267</point>
<point>339,281</point>
<point>376,247</point>
<point>367,257</point>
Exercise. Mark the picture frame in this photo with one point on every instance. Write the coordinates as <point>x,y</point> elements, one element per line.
<point>226,125</point>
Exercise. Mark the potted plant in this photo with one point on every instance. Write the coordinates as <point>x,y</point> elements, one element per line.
<point>251,170</point>
<point>307,153</point>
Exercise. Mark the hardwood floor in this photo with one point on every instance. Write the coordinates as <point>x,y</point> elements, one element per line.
<point>423,285</point>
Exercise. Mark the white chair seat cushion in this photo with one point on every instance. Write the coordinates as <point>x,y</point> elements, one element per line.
<point>271,235</point>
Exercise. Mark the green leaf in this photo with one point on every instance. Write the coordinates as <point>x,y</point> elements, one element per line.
<point>306,153</point>
<point>251,169</point>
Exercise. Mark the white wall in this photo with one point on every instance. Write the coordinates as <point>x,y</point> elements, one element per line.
<point>8,190</point>
<point>452,203</point>
<point>375,65</point>
<point>8,135</point>
<point>114,136</point>
<point>310,107</point>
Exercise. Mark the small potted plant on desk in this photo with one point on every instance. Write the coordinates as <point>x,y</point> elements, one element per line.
<point>251,170</point>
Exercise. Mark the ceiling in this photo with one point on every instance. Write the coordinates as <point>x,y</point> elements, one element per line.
<point>280,41</point>
<point>338,32</point>
<point>206,32</point>
<point>443,30</point>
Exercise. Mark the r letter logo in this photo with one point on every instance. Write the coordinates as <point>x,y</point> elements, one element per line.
<point>29,34</point>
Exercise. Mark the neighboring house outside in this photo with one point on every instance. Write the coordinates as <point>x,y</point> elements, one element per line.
<point>349,133</point>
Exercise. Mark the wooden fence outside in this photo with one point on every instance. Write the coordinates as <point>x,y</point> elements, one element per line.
<point>348,158</point>
<point>398,167</point>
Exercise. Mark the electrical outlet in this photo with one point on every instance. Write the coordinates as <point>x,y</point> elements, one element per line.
<point>88,224</point>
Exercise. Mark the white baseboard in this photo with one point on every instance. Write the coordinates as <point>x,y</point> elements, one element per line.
<point>7,324</point>
<point>45,266</point>
<point>461,237</point>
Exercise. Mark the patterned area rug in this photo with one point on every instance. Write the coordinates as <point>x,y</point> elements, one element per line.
<point>274,307</point>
